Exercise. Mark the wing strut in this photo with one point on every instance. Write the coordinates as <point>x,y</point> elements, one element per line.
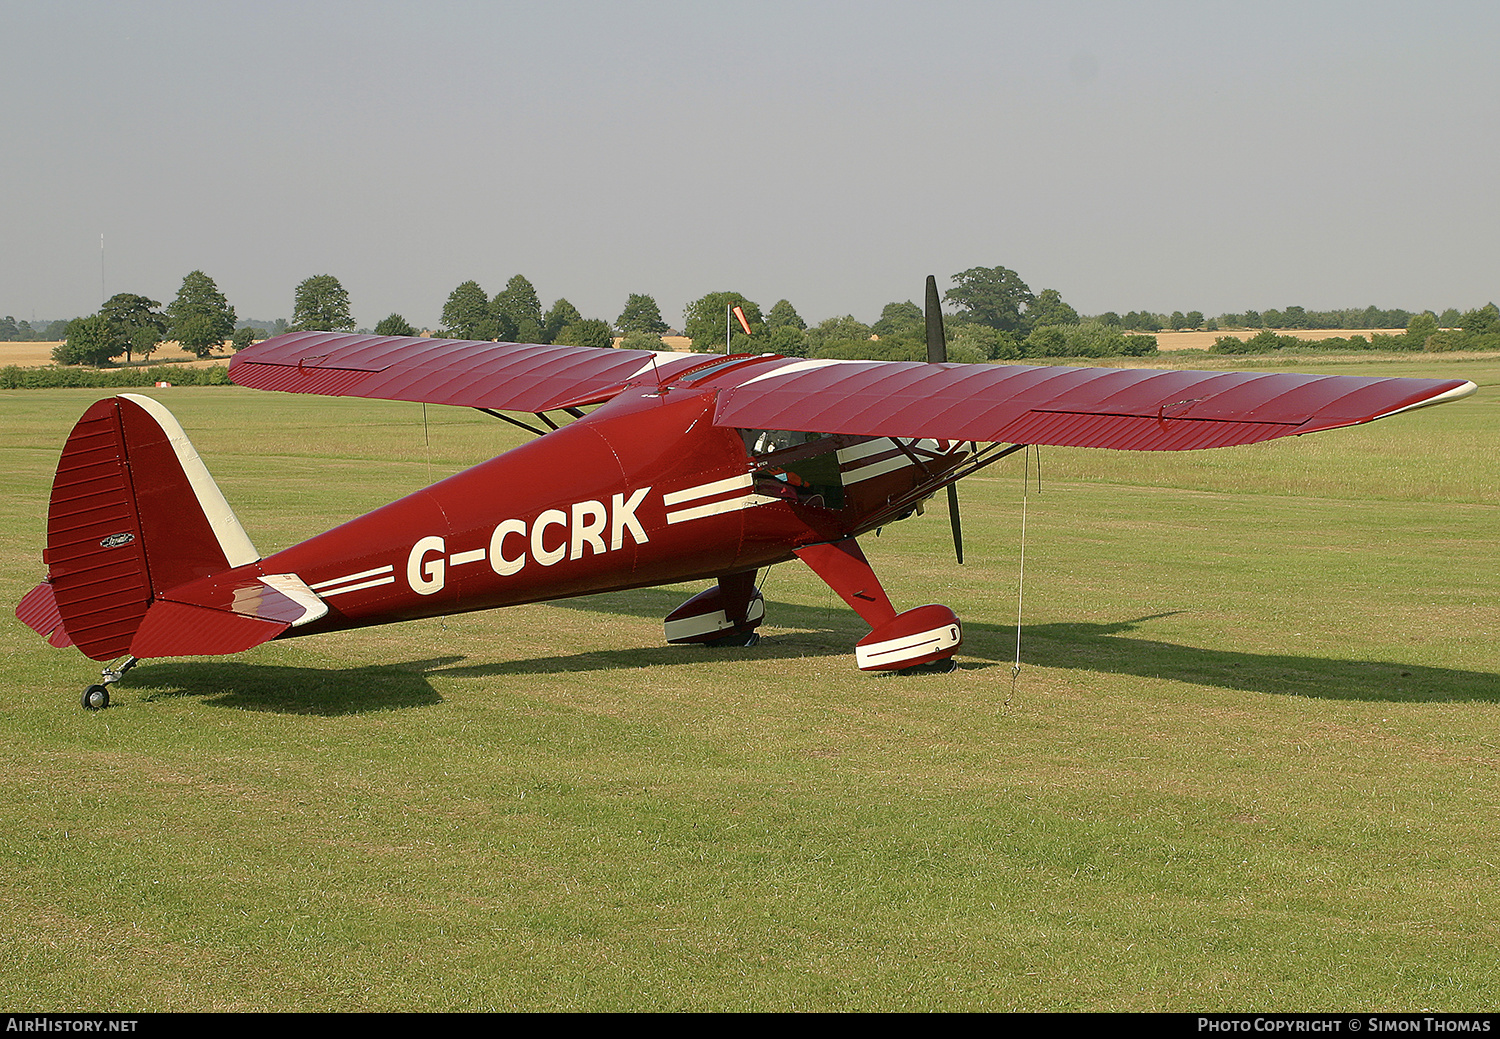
<point>1015,669</point>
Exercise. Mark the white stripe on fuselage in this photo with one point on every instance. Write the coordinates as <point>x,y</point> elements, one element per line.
<point>887,457</point>
<point>705,490</point>
<point>355,582</point>
<point>741,491</point>
<point>746,501</point>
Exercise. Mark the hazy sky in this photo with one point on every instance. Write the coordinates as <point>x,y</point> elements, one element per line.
<point>1146,155</point>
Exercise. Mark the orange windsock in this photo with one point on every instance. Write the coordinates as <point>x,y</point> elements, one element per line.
<point>743,323</point>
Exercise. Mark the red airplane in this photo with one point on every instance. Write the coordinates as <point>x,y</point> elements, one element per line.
<point>688,467</point>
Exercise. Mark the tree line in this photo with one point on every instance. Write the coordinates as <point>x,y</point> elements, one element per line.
<point>994,315</point>
<point>1477,329</point>
<point>199,319</point>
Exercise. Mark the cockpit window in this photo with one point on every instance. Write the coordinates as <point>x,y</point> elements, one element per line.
<point>796,465</point>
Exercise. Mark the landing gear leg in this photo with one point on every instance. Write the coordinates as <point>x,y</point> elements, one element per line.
<point>922,639</point>
<point>96,697</point>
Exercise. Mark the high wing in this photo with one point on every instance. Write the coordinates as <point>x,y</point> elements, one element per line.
<point>504,376</point>
<point>1123,408</point>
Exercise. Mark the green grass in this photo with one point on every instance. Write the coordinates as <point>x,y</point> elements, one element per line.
<point>1250,761</point>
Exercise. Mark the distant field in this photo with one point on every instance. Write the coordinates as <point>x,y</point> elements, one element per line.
<point>1250,761</point>
<point>1204,340</point>
<point>32,355</point>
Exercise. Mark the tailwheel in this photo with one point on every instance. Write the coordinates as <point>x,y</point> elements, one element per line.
<point>95,698</point>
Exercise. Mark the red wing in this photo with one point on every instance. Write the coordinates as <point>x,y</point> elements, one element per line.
<point>1124,408</point>
<point>504,376</point>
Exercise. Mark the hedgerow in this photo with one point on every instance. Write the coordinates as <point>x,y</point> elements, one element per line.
<point>14,377</point>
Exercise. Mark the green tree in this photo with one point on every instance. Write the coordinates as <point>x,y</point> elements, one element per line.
<point>1047,341</point>
<point>641,314</point>
<point>467,314</point>
<point>705,323</point>
<point>640,341</point>
<point>1420,327</point>
<point>786,340</point>
<point>1482,321</point>
<point>842,337</point>
<point>1142,321</point>
<point>784,315</point>
<point>200,318</point>
<point>1049,309</point>
<point>242,337</point>
<point>559,316</point>
<point>89,342</point>
<point>135,324</point>
<point>588,332</point>
<point>901,320</point>
<point>993,296</point>
<point>982,341</point>
<point>518,311</point>
<point>394,325</point>
<point>321,305</point>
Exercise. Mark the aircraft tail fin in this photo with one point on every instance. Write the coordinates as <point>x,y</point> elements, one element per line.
<point>134,512</point>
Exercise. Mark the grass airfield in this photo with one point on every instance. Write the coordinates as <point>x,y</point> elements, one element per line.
<point>1251,760</point>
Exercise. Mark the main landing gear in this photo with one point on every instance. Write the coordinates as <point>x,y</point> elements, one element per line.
<point>96,697</point>
<point>725,615</point>
<point>923,639</point>
<point>917,641</point>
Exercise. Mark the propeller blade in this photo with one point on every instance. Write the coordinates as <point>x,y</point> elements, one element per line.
<point>937,343</point>
<point>958,529</point>
<point>937,353</point>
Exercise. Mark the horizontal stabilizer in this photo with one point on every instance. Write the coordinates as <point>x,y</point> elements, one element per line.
<point>226,613</point>
<point>175,629</point>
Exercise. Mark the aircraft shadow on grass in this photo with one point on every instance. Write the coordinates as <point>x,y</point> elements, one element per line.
<point>249,686</point>
<point>1106,648</point>
<point>799,632</point>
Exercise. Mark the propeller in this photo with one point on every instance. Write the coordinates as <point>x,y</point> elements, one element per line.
<point>937,353</point>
